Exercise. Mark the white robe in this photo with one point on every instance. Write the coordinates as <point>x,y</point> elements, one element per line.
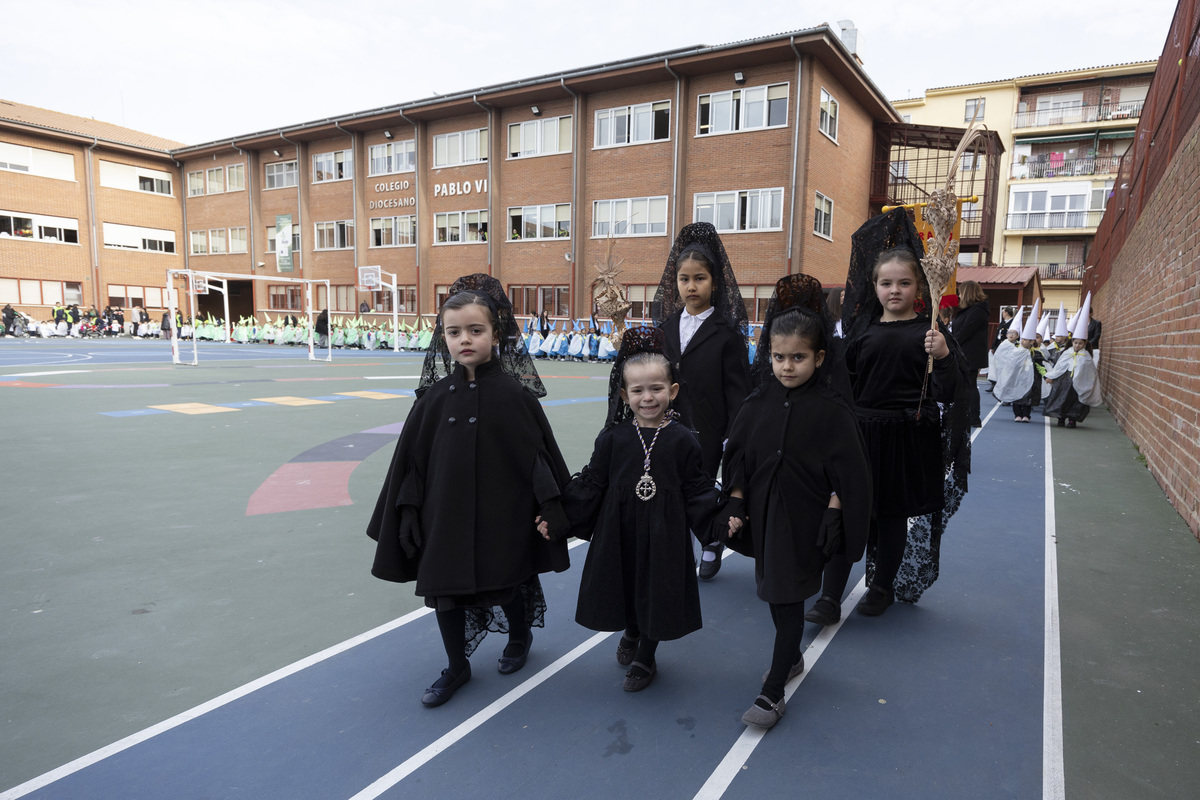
<point>1014,372</point>
<point>1085,378</point>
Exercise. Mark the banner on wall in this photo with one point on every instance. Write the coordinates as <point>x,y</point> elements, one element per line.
<point>283,243</point>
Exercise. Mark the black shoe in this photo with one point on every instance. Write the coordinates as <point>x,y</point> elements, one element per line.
<point>876,601</point>
<point>507,665</point>
<point>826,611</point>
<point>639,676</point>
<point>1062,422</point>
<point>626,650</point>
<point>445,687</point>
<point>1071,423</point>
<point>709,569</point>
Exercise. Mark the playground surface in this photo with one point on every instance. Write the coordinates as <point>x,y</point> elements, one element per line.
<point>189,614</point>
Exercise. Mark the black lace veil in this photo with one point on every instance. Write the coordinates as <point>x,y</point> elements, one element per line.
<point>726,298</point>
<point>919,568</point>
<point>513,357</point>
<point>636,341</point>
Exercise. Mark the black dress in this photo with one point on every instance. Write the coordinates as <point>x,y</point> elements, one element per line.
<point>640,566</point>
<point>788,451</point>
<point>715,378</point>
<point>476,458</point>
<point>970,329</point>
<point>887,367</point>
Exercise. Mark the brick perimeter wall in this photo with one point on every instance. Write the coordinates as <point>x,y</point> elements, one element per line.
<point>1150,362</point>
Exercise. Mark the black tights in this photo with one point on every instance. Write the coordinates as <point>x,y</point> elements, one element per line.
<point>789,627</point>
<point>646,647</point>
<point>453,627</point>
<point>890,535</point>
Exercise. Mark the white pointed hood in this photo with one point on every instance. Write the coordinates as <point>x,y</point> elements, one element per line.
<point>1060,327</point>
<point>1079,330</point>
<point>1031,325</point>
<point>1015,325</point>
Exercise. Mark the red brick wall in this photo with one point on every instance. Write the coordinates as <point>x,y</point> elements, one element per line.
<point>1149,307</point>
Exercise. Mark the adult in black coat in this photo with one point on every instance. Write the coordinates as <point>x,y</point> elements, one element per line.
<point>970,329</point>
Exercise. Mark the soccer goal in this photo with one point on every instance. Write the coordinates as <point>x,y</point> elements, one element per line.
<point>201,283</point>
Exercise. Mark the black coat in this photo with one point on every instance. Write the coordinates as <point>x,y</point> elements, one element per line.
<point>970,328</point>
<point>476,459</point>
<point>788,451</point>
<point>1001,332</point>
<point>640,566</point>
<point>714,380</point>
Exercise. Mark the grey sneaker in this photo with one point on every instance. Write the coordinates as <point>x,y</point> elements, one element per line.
<point>761,717</point>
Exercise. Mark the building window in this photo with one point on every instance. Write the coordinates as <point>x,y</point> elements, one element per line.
<point>237,240</point>
<point>1099,197</point>
<point>334,235</point>
<point>829,115</point>
<point>38,228</point>
<point>132,237</point>
<point>974,107</point>
<point>15,158</point>
<point>460,227</point>
<point>199,240</point>
<point>33,292</point>
<point>295,242</point>
<point>823,222</point>
<point>335,166</point>
<point>216,242</point>
<point>195,184</point>
<point>539,222</point>
<point>44,163</point>
<point>641,298</point>
<point>393,157</point>
<point>284,298</point>
<point>756,299</point>
<point>147,183</point>
<point>533,300</point>
<point>131,178</point>
<point>393,231</point>
<point>743,109</point>
<point>282,174</point>
<point>216,180</point>
<point>144,296</point>
<point>158,245</point>
<point>539,137</point>
<point>748,210</point>
<point>463,147</point>
<point>381,301</point>
<point>235,178</point>
<point>647,122</point>
<point>636,216</point>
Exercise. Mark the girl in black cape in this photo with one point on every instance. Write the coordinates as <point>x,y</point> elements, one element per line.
<point>636,500</point>
<point>475,466</point>
<point>915,425</point>
<point>795,456</point>
<point>700,308</point>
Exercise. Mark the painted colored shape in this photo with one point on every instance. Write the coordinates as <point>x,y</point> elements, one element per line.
<point>302,486</point>
<point>193,408</point>
<point>372,395</point>
<point>137,412</point>
<point>292,401</point>
<point>355,447</point>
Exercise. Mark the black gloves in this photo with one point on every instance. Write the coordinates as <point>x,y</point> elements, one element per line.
<point>734,508</point>
<point>410,531</point>
<point>831,537</point>
<point>551,512</point>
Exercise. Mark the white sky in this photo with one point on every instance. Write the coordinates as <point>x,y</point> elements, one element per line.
<point>210,69</point>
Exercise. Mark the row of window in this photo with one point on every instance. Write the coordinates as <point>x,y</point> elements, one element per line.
<point>34,292</point>
<point>217,180</point>
<point>218,241</point>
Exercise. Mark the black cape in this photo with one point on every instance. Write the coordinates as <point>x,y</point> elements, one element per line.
<point>476,458</point>
<point>788,451</point>
<point>640,567</point>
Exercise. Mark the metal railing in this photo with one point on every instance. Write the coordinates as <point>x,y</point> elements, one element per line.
<point>1060,272</point>
<point>1078,115</point>
<point>1045,167</point>
<point>1053,220</point>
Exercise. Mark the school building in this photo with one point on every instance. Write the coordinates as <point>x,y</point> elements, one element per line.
<point>536,181</point>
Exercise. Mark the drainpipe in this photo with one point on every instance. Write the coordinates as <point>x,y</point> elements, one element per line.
<point>299,212</point>
<point>187,238</point>
<point>353,189</point>
<point>491,226</point>
<point>791,237</point>
<point>420,207</point>
<point>92,224</point>
<point>675,149</point>
<point>572,300</point>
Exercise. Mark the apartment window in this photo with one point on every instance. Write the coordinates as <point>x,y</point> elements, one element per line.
<point>216,242</point>
<point>393,231</point>
<point>647,122</point>
<point>743,109</point>
<point>829,115</point>
<point>334,235</point>
<point>641,298</point>
<point>539,222</point>
<point>144,296</point>
<point>199,240</point>
<point>216,180</point>
<point>906,118</point>
<point>147,183</point>
<point>36,161</point>
<point>756,298</point>
<point>335,166</point>
<point>1099,197</point>
<point>270,239</point>
<point>285,297</point>
<point>131,178</point>
<point>539,137</point>
<point>823,222</point>
<point>393,157</point>
<point>635,216</point>
<point>195,184</point>
<point>747,210</point>
<point>33,292</point>
<point>235,178</point>
<point>158,245</point>
<point>37,227</point>
<point>237,240</point>
<point>460,227</point>
<point>132,237</point>
<point>463,147</point>
<point>282,174</point>
<point>15,158</point>
<point>974,107</point>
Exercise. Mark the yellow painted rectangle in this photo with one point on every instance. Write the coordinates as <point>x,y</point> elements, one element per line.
<point>293,401</point>
<point>193,408</point>
<point>371,395</point>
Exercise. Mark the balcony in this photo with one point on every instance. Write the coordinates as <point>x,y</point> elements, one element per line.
<point>1049,167</point>
<point>1060,272</point>
<point>1053,220</point>
<point>1078,115</point>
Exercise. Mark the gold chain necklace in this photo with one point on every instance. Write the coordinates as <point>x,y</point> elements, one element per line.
<point>645,488</point>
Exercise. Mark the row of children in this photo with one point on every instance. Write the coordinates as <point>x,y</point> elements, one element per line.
<point>833,445</point>
<point>1029,356</point>
<point>581,343</point>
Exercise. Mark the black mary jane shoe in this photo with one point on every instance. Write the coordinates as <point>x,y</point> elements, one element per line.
<point>445,687</point>
<point>507,665</point>
<point>876,601</point>
<point>709,569</point>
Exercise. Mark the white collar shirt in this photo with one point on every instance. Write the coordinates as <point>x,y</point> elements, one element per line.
<point>689,324</point>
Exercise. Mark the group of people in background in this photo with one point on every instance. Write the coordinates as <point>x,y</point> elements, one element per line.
<point>829,447</point>
<point>69,320</point>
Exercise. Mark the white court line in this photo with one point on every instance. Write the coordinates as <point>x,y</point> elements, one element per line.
<point>39,374</point>
<point>390,377</point>
<point>1053,771</point>
<point>423,757</point>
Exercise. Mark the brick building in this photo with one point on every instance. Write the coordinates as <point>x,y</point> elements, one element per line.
<point>531,181</point>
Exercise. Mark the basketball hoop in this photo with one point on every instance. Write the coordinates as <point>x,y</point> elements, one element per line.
<point>369,279</point>
<point>199,284</point>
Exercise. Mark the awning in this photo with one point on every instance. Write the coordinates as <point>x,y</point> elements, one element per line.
<point>1118,134</point>
<point>1074,137</point>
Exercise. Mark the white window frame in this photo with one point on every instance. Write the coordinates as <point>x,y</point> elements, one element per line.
<point>459,221</point>
<point>339,161</point>
<point>282,177</point>
<point>828,119</point>
<point>208,180</point>
<point>198,243</point>
<point>237,240</point>
<point>743,99</point>
<point>537,216</point>
<point>340,232</point>
<point>391,153</point>
<point>195,183</point>
<point>230,171</point>
<point>38,225</point>
<point>623,211</point>
<point>551,136</point>
<point>445,143</point>
<point>828,217</point>
<point>970,106</point>
<point>394,227</point>
<point>745,202</point>
<point>604,123</point>
<point>218,242</point>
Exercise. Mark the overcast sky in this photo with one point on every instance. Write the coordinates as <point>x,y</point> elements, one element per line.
<point>211,69</point>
